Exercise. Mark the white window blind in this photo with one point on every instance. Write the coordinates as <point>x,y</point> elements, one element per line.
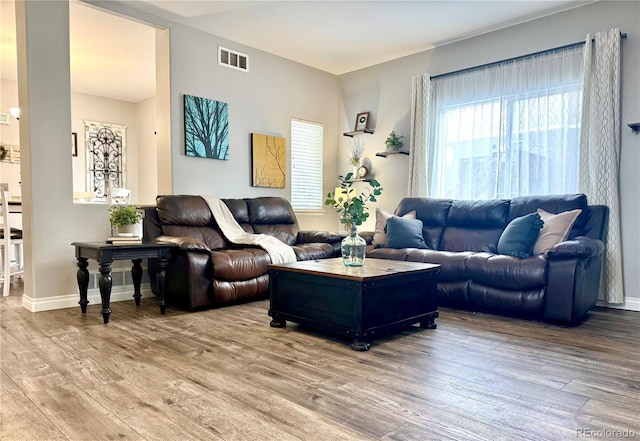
<point>306,164</point>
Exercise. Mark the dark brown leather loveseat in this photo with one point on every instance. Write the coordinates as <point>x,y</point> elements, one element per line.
<point>206,270</point>
<point>560,285</point>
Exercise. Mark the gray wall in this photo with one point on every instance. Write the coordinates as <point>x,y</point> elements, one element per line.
<point>263,100</point>
<point>385,91</point>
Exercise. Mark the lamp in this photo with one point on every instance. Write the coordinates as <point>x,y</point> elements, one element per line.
<point>15,112</point>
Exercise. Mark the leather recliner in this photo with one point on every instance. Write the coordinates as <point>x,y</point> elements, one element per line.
<point>560,285</point>
<point>205,270</point>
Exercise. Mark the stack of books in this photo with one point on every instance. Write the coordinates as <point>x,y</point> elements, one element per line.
<point>124,240</point>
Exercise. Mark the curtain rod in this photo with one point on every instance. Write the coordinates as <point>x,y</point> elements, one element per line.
<point>506,60</point>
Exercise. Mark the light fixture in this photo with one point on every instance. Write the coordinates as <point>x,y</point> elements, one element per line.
<point>15,112</point>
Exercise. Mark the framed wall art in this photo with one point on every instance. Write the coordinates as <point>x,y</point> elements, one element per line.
<point>268,161</point>
<point>206,128</point>
<point>361,121</point>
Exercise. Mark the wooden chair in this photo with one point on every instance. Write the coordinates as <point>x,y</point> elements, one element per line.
<point>9,237</point>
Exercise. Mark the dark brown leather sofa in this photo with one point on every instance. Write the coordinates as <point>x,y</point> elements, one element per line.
<point>560,285</point>
<point>206,270</point>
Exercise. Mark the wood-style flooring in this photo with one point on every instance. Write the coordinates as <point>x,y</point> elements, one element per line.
<point>224,374</point>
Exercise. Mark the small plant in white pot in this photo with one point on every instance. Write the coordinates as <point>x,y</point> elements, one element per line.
<point>124,217</point>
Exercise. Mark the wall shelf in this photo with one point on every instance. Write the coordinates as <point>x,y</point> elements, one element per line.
<point>360,180</point>
<point>635,127</point>
<point>358,132</point>
<point>398,152</point>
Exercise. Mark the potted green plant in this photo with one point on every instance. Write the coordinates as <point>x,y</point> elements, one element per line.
<point>351,206</point>
<point>124,217</point>
<point>394,142</point>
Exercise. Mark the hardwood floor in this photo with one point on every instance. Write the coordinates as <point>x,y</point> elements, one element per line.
<point>224,374</point>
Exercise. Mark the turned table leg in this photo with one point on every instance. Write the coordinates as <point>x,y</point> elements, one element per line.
<point>83,282</point>
<point>160,280</point>
<point>136,275</point>
<point>105,283</point>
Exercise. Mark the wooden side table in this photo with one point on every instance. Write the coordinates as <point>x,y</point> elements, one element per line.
<point>105,254</point>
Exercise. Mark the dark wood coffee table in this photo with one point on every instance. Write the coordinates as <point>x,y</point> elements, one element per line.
<point>357,302</point>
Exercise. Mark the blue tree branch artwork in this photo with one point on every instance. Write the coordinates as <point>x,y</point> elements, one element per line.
<point>206,128</point>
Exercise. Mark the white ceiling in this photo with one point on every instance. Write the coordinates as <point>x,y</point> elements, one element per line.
<point>114,57</point>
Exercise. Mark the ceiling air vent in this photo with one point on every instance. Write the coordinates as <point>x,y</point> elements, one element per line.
<point>233,59</point>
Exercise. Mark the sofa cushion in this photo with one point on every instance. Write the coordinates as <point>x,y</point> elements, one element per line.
<point>475,225</point>
<point>311,251</point>
<point>522,205</point>
<point>511,273</point>
<point>433,214</point>
<point>380,235</point>
<point>452,263</point>
<point>239,264</point>
<point>404,233</point>
<point>555,230</point>
<point>518,238</point>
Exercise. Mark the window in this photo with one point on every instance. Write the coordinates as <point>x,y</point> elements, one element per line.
<point>306,165</point>
<point>509,129</point>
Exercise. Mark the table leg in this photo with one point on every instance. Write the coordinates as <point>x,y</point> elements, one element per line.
<point>105,283</point>
<point>83,282</point>
<point>136,275</point>
<point>160,277</point>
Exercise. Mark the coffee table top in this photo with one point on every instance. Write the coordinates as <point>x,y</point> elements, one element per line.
<point>372,268</point>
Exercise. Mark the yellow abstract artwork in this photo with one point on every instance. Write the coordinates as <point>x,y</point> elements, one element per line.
<point>269,160</point>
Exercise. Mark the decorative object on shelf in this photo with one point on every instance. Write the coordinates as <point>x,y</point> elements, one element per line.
<point>394,142</point>
<point>206,128</point>
<point>362,172</point>
<point>361,121</point>
<point>634,127</point>
<point>351,207</point>
<point>268,161</point>
<point>124,217</point>
<point>354,158</point>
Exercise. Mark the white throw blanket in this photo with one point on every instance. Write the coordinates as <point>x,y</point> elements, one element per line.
<point>279,251</point>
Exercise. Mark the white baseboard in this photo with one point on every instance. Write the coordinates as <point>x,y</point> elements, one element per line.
<point>118,294</point>
<point>630,304</point>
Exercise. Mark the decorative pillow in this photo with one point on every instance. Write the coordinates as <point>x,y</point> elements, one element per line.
<point>520,235</point>
<point>404,233</point>
<point>555,230</point>
<point>379,236</point>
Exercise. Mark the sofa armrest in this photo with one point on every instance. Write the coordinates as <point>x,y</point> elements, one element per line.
<point>185,243</point>
<point>581,247</point>
<point>313,236</point>
<point>367,236</point>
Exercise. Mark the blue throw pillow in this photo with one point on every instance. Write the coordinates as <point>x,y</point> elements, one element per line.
<point>520,235</point>
<point>404,233</point>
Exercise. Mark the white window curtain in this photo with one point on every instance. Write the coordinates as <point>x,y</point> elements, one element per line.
<point>505,130</point>
<point>600,147</point>
<point>419,160</point>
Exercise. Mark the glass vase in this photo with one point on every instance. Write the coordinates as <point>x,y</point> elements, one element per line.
<point>353,248</point>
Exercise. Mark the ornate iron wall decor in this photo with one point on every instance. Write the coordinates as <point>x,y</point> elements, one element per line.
<point>206,128</point>
<point>105,157</point>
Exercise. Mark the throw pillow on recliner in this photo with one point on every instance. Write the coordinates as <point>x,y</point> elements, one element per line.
<point>404,233</point>
<point>555,230</point>
<point>380,235</point>
<point>520,235</point>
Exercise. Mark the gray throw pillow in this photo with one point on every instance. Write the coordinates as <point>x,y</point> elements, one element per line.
<point>404,233</point>
<point>520,235</point>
